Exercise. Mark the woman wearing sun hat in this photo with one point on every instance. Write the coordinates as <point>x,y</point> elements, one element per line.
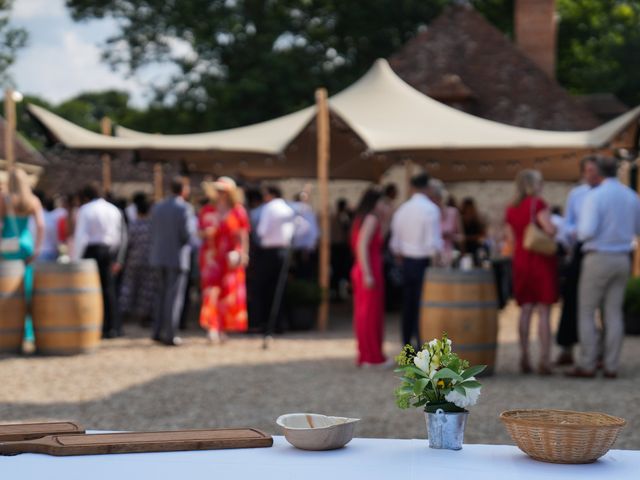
<point>224,228</point>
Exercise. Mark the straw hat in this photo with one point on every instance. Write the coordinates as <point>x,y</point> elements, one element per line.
<point>222,184</point>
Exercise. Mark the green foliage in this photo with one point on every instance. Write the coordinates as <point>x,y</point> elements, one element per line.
<point>632,297</point>
<point>11,40</point>
<point>598,47</point>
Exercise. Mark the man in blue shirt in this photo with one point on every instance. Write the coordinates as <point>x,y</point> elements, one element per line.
<point>567,335</point>
<point>608,225</point>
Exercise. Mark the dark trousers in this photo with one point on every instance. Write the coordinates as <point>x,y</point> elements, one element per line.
<point>111,326</point>
<point>172,283</point>
<point>413,270</point>
<point>567,335</point>
<point>267,274</point>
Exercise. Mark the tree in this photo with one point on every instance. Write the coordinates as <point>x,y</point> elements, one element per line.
<point>250,60</point>
<point>11,40</point>
<point>598,47</point>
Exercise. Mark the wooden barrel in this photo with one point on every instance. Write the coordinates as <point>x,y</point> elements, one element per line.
<point>463,304</point>
<point>67,307</point>
<point>13,306</point>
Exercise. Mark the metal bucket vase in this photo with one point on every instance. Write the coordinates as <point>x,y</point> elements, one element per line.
<point>445,429</point>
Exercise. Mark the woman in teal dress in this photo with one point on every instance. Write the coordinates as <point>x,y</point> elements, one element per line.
<point>16,241</point>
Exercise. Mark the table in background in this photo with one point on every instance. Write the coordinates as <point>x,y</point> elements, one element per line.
<point>363,458</point>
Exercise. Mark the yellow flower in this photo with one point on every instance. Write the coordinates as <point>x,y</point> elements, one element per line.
<point>440,383</point>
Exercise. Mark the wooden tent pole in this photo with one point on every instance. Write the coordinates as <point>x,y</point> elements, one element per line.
<point>157,181</point>
<point>106,127</point>
<point>408,173</point>
<point>323,158</point>
<point>10,128</point>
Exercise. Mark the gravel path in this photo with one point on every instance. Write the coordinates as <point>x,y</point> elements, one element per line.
<point>132,384</point>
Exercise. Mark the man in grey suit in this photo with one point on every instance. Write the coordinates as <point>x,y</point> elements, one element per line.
<point>172,234</point>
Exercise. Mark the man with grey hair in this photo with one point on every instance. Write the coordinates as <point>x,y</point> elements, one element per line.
<point>608,225</point>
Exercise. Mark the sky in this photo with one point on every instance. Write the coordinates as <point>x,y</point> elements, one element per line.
<point>62,57</point>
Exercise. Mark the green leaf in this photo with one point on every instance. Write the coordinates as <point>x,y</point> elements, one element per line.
<point>470,384</point>
<point>460,390</point>
<point>416,371</point>
<point>447,373</point>
<point>473,371</point>
<point>419,386</point>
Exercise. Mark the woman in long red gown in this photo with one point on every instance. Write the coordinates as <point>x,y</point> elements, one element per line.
<point>535,276</point>
<point>367,279</point>
<point>224,227</point>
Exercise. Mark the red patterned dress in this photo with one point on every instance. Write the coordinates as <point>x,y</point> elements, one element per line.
<point>219,269</point>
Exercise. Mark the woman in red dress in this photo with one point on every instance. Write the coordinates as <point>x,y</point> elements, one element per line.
<point>534,275</point>
<point>224,228</point>
<point>367,279</point>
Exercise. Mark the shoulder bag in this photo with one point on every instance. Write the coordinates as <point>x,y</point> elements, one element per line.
<point>535,239</point>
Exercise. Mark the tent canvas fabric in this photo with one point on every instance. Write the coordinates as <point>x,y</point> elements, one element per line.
<point>375,122</point>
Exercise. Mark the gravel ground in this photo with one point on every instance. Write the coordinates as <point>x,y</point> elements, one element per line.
<point>133,384</point>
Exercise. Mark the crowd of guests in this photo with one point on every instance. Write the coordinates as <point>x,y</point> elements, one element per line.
<point>243,245</point>
<point>593,243</point>
<point>598,235</point>
<point>148,255</point>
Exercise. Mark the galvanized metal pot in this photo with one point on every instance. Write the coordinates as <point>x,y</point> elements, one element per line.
<point>446,429</point>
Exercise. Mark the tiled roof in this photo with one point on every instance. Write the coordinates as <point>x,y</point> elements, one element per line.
<point>505,85</point>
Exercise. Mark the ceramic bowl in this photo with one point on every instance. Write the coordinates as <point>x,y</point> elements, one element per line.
<point>311,431</point>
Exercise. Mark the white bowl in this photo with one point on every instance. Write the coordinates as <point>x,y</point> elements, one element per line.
<point>311,431</point>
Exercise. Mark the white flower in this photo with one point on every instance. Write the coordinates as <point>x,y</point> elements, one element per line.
<point>433,343</point>
<point>449,341</point>
<point>463,401</point>
<point>422,361</point>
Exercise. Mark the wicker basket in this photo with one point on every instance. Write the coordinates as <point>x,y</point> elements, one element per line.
<point>561,436</point>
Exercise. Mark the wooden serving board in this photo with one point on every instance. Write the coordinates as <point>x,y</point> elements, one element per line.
<point>29,431</point>
<point>138,442</point>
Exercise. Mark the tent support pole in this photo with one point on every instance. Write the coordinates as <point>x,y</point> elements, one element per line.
<point>105,126</point>
<point>10,128</point>
<point>157,181</point>
<point>408,173</point>
<point>323,158</point>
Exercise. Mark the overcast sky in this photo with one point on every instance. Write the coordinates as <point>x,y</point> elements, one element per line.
<point>62,58</point>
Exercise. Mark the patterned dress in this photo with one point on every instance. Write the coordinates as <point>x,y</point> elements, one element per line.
<point>217,269</point>
<point>138,279</point>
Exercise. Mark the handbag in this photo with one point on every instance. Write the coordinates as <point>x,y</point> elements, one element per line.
<point>536,240</point>
<point>10,245</point>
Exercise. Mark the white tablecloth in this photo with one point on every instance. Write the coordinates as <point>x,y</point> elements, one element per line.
<point>367,459</point>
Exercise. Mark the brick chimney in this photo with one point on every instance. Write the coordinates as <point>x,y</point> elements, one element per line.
<point>535,32</point>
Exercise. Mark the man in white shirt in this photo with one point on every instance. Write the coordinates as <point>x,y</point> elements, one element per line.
<point>100,234</point>
<point>416,238</point>
<point>275,233</point>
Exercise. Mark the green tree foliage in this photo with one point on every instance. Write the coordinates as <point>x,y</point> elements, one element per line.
<point>599,47</point>
<point>11,40</point>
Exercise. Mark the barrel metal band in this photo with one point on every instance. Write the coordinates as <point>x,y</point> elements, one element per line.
<point>66,290</point>
<point>18,294</point>
<point>11,331</point>
<point>89,327</point>
<point>475,347</point>
<point>461,305</point>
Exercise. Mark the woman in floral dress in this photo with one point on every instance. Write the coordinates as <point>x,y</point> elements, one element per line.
<point>224,228</point>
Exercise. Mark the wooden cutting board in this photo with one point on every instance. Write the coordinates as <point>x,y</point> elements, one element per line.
<point>28,431</point>
<point>138,442</point>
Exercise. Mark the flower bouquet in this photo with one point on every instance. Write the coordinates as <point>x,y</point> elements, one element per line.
<point>442,383</point>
